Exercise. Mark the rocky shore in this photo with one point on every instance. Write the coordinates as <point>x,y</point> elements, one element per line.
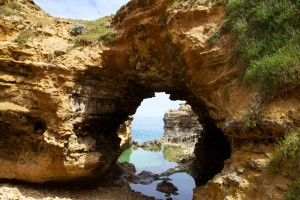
<point>182,130</point>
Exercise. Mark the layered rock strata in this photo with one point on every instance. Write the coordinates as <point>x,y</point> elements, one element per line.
<point>182,127</point>
<point>61,106</point>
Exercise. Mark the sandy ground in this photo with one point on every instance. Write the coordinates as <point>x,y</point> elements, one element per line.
<point>22,191</point>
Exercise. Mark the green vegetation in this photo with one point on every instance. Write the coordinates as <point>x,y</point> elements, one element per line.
<point>214,37</point>
<point>287,159</point>
<point>78,29</point>
<point>267,40</point>
<point>95,31</point>
<point>14,5</point>
<point>252,117</point>
<point>24,36</point>
<point>287,156</point>
<point>191,2</point>
<point>143,2</point>
<point>8,9</point>
<point>294,193</point>
<point>51,57</point>
<point>120,10</point>
<point>152,148</point>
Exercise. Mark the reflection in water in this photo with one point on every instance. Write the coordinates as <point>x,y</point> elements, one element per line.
<point>125,157</point>
<point>144,159</point>
<point>156,160</point>
<point>171,152</point>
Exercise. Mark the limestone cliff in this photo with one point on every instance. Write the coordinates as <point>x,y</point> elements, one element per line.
<point>61,106</point>
<point>181,126</point>
<point>124,133</point>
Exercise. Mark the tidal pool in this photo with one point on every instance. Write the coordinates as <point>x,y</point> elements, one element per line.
<point>156,161</point>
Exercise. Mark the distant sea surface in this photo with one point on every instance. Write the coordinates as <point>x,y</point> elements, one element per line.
<point>142,136</point>
<point>147,128</point>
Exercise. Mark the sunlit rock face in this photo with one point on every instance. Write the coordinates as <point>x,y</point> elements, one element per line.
<point>181,126</point>
<point>124,133</point>
<point>61,107</point>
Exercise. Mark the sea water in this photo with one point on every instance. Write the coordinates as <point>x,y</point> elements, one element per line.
<point>155,161</point>
<point>146,129</point>
<point>142,136</point>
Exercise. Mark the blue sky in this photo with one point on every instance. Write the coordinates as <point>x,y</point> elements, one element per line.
<point>80,9</point>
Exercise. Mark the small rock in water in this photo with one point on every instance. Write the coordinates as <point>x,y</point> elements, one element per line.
<point>167,188</point>
<point>168,172</point>
<point>144,178</point>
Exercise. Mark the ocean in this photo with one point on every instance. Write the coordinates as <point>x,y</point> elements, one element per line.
<point>147,128</point>
<point>142,136</point>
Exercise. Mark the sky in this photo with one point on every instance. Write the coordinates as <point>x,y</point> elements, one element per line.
<point>156,106</point>
<point>81,9</point>
<point>94,9</point>
<point>149,115</point>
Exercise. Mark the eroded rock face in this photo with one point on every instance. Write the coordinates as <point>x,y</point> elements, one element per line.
<point>181,126</point>
<point>59,114</point>
<point>124,133</point>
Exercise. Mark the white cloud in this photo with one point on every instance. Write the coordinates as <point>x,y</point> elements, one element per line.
<point>80,9</point>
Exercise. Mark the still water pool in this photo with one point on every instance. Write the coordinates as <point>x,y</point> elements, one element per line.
<point>158,161</point>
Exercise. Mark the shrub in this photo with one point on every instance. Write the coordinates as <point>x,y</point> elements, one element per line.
<point>24,36</point>
<point>271,71</point>
<point>251,118</point>
<point>287,158</point>
<point>287,155</point>
<point>95,31</point>
<point>214,37</point>
<point>108,38</point>
<point>78,29</point>
<point>294,192</point>
<point>8,8</point>
<point>267,40</point>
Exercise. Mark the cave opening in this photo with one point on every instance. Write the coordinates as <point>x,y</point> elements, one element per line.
<point>211,149</point>
<point>160,153</point>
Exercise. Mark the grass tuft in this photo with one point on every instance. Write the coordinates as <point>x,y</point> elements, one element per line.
<point>8,9</point>
<point>95,31</point>
<point>4,10</point>
<point>14,5</point>
<point>23,37</point>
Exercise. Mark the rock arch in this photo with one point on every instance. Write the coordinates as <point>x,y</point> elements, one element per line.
<point>67,124</point>
<point>58,121</point>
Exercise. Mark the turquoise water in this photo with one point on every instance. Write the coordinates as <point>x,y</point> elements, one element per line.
<point>154,161</point>
<point>142,136</point>
<point>142,159</point>
<point>147,128</point>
